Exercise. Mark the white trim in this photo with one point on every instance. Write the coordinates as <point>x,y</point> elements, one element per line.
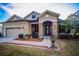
<point>52,20</point>
<point>4,31</point>
<point>34,23</point>
<point>12,26</point>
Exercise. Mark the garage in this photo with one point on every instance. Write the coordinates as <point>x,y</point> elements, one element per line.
<point>13,32</point>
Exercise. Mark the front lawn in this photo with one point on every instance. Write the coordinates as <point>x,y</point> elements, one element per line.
<point>68,48</point>
<point>13,50</point>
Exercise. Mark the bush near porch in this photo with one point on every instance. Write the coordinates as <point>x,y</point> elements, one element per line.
<point>28,37</point>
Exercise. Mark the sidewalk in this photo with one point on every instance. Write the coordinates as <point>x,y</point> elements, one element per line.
<point>45,43</point>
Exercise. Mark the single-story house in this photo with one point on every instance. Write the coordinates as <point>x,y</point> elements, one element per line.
<point>37,24</point>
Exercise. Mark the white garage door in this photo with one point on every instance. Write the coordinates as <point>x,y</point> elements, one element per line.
<point>13,32</point>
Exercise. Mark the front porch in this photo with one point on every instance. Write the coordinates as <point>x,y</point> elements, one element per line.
<point>43,29</point>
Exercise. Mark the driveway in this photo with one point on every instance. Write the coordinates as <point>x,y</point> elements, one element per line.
<point>5,39</point>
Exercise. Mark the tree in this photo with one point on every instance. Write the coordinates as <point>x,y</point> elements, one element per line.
<point>67,26</point>
<point>72,22</point>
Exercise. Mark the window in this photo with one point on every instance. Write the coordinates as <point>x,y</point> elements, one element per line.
<point>61,29</point>
<point>33,16</point>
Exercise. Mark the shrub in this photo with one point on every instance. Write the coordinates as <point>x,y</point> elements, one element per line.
<point>53,41</point>
<point>21,36</point>
<point>0,34</point>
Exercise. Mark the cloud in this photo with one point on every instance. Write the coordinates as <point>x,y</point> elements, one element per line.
<point>22,9</point>
<point>5,12</point>
<point>8,10</point>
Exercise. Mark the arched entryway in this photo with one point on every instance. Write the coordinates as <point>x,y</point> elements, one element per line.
<point>47,28</point>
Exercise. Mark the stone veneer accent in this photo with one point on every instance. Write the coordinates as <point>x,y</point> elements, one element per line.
<point>51,18</point>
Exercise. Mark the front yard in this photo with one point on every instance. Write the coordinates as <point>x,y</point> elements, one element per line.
<point>14,50</point>
<point>68,47</point>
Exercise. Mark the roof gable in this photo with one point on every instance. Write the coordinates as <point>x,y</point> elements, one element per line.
<point>29,16</point>
<point>14,18</point>
<point>49,12</point>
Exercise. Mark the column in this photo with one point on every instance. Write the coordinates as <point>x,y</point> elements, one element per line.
<point>55,29</point>
<point>4,30</point>
<point>40,29</point>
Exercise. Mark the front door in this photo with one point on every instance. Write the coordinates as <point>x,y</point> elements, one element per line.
<point>47,30</point>
<point>35,30</point>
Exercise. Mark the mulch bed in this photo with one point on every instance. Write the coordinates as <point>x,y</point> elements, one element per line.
<point>31,39</point>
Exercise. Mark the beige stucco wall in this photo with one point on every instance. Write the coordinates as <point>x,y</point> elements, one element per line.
<point>23,24</point>
<point>26,26</point>
<point>51,18</point>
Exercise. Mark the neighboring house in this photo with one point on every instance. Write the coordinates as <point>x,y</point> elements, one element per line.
<point>0,29</point>
<point>44,24</point>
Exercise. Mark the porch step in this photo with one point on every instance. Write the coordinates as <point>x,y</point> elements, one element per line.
<point>46,37</point>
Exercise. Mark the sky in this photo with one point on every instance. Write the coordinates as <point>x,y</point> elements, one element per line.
<point>23,9</point>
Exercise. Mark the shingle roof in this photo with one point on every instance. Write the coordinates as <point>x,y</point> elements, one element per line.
<point>59,20</point>
<point>31,13</point>
<point>49,12</point>
<point>18,18</point>
<point>14,18</point>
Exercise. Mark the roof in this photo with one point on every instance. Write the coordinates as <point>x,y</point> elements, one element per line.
<point>49,12</point>
<point>31,13</point>
<point>17,18</point>
<point>59,20</point>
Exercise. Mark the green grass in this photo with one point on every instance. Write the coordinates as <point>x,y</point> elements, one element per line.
<point>13,50</point>
<point>68,48</point>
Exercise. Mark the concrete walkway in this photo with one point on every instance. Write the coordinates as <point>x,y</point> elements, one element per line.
<point>45,43</point>
<point>5,39</point>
